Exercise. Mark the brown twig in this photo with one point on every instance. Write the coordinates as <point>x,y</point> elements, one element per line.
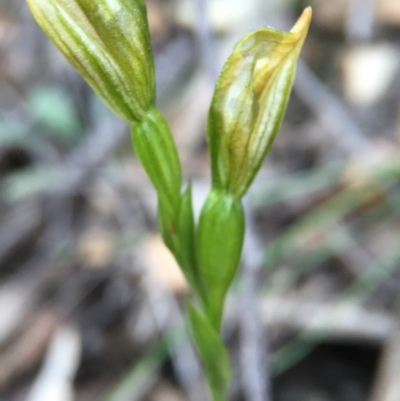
<point>360,20</point>
<point>333,114</point>
<point>253,347</point>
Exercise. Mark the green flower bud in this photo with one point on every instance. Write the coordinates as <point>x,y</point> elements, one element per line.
<point>107,41</point>
<point>249,103</point>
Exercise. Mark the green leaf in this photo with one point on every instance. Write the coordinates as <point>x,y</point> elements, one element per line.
<point>212,353</point>
<point>107,41</point>
<point>219,244</point>
<point>167,220</point>
<point>187,241</point>
<point>156,150</point>
<point>14,133</point>
<point>249,103</point>
<point>29,181</point>
<point>51,107</point>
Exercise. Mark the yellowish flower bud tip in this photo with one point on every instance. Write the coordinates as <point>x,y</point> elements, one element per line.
<point>302,24</point>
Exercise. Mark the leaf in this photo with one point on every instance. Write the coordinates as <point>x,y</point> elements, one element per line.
<point>187,241</point>
<point>14,133</point>
<point>155,148</point>
<point>53,108</point>
<point>219,243</point>
<point>108,42</point>
<point>29,181</point>
<point>212,353</point>
<point>249,103</point>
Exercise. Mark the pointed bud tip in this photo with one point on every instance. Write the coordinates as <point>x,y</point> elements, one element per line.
<point>302,24</point>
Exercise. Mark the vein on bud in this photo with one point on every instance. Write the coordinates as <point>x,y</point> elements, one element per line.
<point>249,103</point>
<point>107,41</point>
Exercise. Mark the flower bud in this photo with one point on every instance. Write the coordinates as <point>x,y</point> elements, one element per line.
<point>249,103</point>
<point>107,41</point>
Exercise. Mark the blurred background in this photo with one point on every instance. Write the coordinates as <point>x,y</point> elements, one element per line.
<point>91,302</point>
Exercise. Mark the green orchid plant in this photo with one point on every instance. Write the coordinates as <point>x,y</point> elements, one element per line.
<point>108,42</point>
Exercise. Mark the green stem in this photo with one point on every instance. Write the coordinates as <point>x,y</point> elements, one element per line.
<point>218,393</point>
<point>208,258</point>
